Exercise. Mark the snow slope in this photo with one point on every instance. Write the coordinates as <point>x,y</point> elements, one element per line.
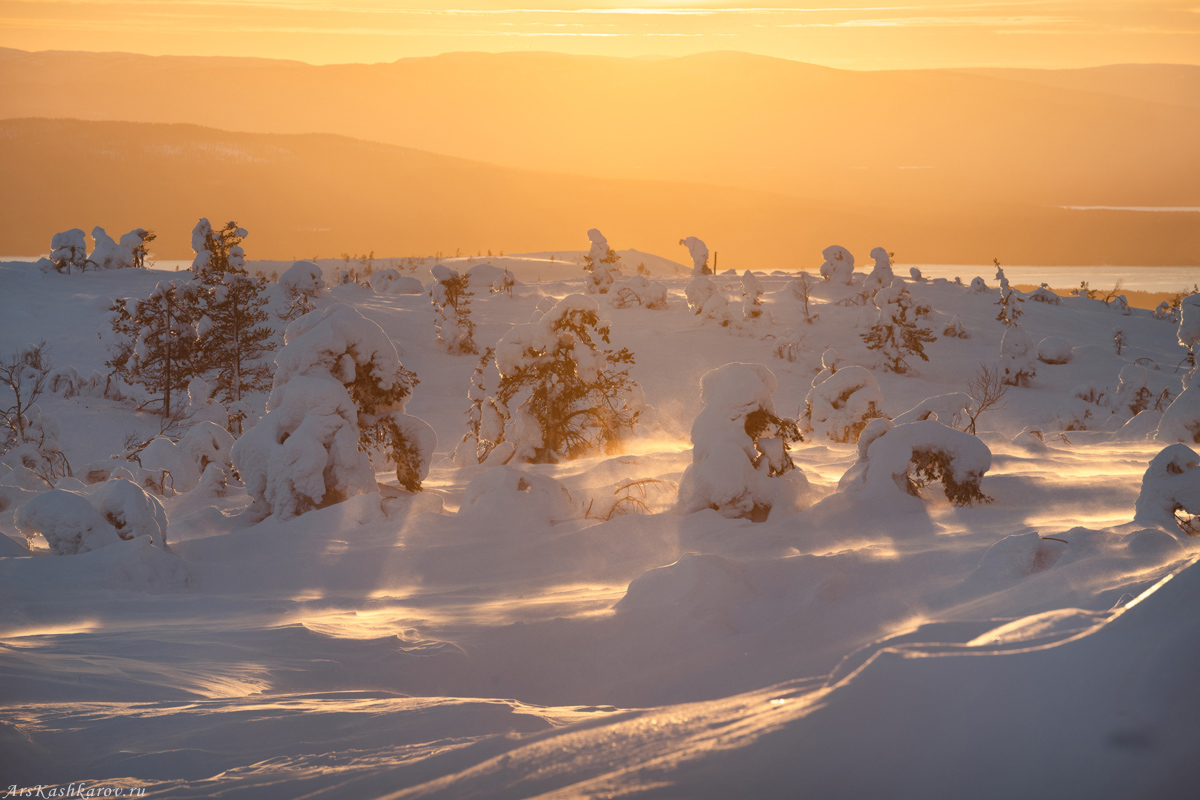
<point>493,642</point>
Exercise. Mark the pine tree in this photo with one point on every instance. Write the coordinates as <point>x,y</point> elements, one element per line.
<point>235,339</point>
<point>1010,304</point>
<point>451,297</point>
<point>896,334</point>
<point>218,251</point>
<point>158,342</point>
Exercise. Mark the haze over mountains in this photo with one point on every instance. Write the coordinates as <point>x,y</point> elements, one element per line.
<point>946,166</point>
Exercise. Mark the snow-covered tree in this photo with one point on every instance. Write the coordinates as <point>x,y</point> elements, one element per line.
<point>485,418</point>
<point>602,264</point>
<point>29,437</point>
<point>129,252</point>
<point>1009,302</point>
<point>302,284</point>
<point>1170,484</point>
<point>638,290</point>
<point>451,297</point>
<point>218,250</point>
<point>564,394</point>
<point>895,333</point>
<point>1018,356</point>
<point>503,284</point>
<point>158,343</point>
<point>838,266</point>
<point>338,400</point>
<point>752,307</point>
<point>68,250</point>
<point>740,463</point>
<point>841,403</point>
<point>881,274</point>
<point>698,250</point>
<point>894,460</point>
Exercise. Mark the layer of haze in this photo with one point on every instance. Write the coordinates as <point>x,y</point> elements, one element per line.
<point>856,34</point>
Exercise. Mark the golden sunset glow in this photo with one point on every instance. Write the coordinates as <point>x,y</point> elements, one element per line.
<point>855,34</point>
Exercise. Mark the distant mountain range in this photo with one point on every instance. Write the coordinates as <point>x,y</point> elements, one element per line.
<point>765,158</point>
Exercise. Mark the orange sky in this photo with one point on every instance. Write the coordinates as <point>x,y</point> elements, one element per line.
<point>857,34</point>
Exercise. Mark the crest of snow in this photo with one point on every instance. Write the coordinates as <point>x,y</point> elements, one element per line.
<point>1189,321</point>
<point>838,266</point>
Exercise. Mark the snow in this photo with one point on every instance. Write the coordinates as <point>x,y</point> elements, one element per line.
<point>838,266</point>
<point>573,629</point>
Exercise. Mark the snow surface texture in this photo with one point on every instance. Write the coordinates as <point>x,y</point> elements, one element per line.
<point>561,629</point>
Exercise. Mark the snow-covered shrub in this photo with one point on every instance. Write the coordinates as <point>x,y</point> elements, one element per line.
<point>945,408</point>
<point>698,291</point>
<point>1086,407</point>
<point>202,407</point>
<point>564,394</point>
<point>218,251</point>
<point>802,288</point>
<point>1181,421</point>
<point>954,329</point>
<point>1170,484</point>
<point>788,346</point>
<point>108,254</point>
<point>841,403</point>
<point>752,307</point>
<point>637,290</point>
<point>699,253</point>
<point>1133,391</point>
<point>131,511</point>
<point>1043,294</point>
<point>339,394</point>
<point>68,521</point>
<point>915,274</point>
<point>1009,301</point>
<point>895,333</point>
<point>1018,356</point>
<point>302,284</point>
<point>523,500</point>
<point>485,419</point>
<point>67,382</point>
<point>451,296</point>
<point>1164,311</point>
<point>504,283</point>
<point>881,274</point>
<point>978,284</point>
<point>601,264</point>
<point>390,281</point>
<point>169,468</point>
<point>740,463</point>
<point>208,443</point>
<point>1119,304</point>
<point>28,437</point>
<point>68,250</point>
<point>838,266</point>
<point>894,460</point>
<point>1053,350</point>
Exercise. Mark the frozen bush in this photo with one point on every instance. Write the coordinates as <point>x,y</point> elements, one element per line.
<point>1043,294</point>
<point>108,254</point>
<point>218,251</point>
<point>915,274</point>
<point>68,251</point>
<point>202,407</point>
<point>801,288</point>
<point>451,296</point>
<point>1018,356</point>
<point>1164,311</point>
<point>564,394</point>
<point>162,457</point>
<point>1086,407</point>
<point>954,329</point>
<point>523,500</point>
<point>978,284</point>
<point>1170,484</point>
<point>881,275</point>
<point>752,307</point>
<point>208,443</point>
<point>698,291</point>
<point>601,264</point>
<point>699,253</point>
<point>485,419</point>
<point>1053,350</point>
<point>390,281</point>
<point>637,290</point>
<point>841,403</point>
<point>68,521</point>
<point>339,394</point>
<point>1133,391</point>
<point>895,333</point>
<point>131,511</point>
<point>894,460</point>
<point>740,463</point>
<point>838,266</point>
<point>301,284</point>
<point>1009,301</point>
<point>788,346</point>
<point>1119,304</point>
<point>1181,421</point>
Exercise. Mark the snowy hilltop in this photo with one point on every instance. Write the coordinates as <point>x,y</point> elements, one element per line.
<point>591,524</point>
